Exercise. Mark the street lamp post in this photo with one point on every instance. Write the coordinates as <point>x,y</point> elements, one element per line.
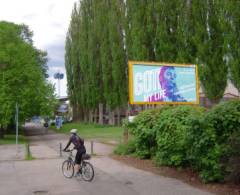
<point>58,76</point>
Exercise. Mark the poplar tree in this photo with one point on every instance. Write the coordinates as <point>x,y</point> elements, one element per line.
<point>72,62</point>
<point>232,40</point>
<point>139,42</point>
<point>166,31</point>
<point>95,72</point>
<point>210,50</point>
<point>119,65</point>
<point>104,34</point>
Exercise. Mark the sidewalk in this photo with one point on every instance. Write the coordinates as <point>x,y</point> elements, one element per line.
<point>111,177</point>
<point>43,174</point>
<point>12,152</point>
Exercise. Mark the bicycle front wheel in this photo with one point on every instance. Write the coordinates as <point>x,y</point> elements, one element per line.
<point>87,171</point>
<point>68,168</point>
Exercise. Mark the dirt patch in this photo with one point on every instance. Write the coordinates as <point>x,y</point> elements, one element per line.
<point>185,175</point>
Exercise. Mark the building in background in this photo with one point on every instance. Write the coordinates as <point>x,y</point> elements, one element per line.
<point>231,92</point>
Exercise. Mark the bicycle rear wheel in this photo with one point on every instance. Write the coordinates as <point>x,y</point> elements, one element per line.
<point>68,168</point>
<point>87,171</point>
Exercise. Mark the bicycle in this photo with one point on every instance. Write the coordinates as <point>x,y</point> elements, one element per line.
<point>86,168</point>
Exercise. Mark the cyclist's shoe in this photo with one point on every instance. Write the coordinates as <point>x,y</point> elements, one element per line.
<point>78,173</point>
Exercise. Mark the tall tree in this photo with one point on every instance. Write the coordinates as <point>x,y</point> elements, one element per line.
<point>232,39</point>
<point>140,29</point>
<point>167,31</point>
<point>119,65</point>
<point>72,62</point>
<point>22,76</point>
<point>210,50</point>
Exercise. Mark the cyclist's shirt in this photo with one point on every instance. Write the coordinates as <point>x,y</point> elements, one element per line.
<point>77,142</point>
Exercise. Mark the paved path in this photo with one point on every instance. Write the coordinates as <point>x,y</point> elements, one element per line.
<point>12,152</point>
<point>43,176</point>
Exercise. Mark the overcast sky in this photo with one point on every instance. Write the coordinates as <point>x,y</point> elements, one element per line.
<point>49,20</point>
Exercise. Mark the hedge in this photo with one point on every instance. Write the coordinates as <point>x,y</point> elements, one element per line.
<point>190,136</point>
<point>144,132</point>
<point>216,150</point>
<point>174,135</point>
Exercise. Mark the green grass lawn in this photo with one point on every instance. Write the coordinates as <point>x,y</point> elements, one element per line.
<point>11,139</point>
<point>102,133</point>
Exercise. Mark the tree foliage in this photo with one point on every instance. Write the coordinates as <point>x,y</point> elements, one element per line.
<point>232,40</point>
<point>22,75</point>
<point>207,141</point>
<point>103,35</point>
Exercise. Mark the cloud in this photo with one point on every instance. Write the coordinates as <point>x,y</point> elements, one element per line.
<point>56,52</point>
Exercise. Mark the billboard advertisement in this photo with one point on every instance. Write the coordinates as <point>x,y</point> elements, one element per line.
<point>163,83</point>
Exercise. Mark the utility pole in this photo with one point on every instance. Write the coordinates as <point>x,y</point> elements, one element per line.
<point>16,118</point>
<point>58,76</point>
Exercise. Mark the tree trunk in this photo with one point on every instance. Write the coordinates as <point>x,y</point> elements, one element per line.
<point>125,136</point>
<point>109,117</point>
<point>145,107</point>
<point>90,119</point>
<point>1,132</point>
<point>78,113</point>
<point>74,110</point>
<point>214,102</point>
<point>100,114</point>
<point>95,119</point>
<point>118,116</point>
<point>85,116</point>
<point>81,114</point>
<point>112,117</point>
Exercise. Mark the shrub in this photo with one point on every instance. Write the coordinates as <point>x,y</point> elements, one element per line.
<point>174,135</point>
<point>182,136</point>
<point>142,128</point>
<point>126,149</point>
<point>216,142</point>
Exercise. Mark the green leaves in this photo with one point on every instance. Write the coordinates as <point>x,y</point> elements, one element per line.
<point>22,75</point>
<point>190,136</point>
<point>95,58</point>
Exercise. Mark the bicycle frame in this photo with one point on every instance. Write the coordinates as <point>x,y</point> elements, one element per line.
<point>82,167</point>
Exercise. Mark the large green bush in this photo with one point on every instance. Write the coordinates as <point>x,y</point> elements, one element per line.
<point>144,133</point>
<point>174,135</point>
<point>208,142</point>
<point>215,152</point>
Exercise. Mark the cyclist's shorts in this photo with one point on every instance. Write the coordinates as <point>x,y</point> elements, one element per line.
<point>78,157</point>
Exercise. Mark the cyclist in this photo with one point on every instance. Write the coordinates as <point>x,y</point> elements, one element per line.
<point>79,146</point>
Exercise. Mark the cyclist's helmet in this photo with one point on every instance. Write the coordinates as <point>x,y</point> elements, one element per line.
<point>73,131</point>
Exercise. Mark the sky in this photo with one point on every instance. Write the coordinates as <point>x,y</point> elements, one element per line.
<point>49,21</point>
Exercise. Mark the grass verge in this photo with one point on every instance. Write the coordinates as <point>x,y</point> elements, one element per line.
<point>11,139</point>
<point>102,133</point>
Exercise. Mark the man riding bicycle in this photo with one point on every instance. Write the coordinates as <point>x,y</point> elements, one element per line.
<point>79,146</point>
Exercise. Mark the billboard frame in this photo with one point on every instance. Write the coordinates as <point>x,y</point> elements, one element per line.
<point>130,81</point>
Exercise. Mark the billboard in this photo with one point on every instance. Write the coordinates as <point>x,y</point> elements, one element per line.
<point>163,83</point>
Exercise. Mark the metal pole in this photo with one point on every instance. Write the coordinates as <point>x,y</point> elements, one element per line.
<point>16,124</point>
<point>28,151</point>
<point>60,147</point>
<point>59,87</point>
<point>91,147</point>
